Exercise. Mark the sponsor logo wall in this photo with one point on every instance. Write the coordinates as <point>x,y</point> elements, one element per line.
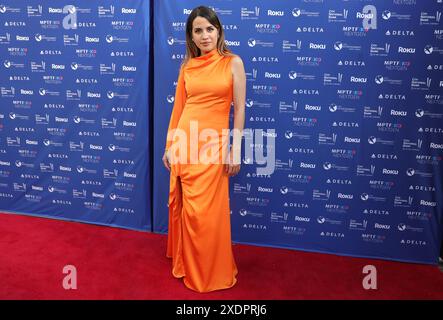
<point>73,110</point>
<point>352,94</point>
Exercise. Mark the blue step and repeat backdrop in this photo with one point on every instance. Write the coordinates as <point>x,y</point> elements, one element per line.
<point>74,110</point>
<point>343,135</point>
<point>345,101</point>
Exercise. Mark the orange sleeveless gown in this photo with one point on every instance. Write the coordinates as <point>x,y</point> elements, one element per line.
<point>199,235</point>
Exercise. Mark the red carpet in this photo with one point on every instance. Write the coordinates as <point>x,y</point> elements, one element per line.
<point>114,263</point>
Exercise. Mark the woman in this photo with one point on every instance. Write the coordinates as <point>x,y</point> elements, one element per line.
<point>210,79</point>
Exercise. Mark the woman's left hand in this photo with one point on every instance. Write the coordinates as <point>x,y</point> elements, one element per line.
<point>232,168</point>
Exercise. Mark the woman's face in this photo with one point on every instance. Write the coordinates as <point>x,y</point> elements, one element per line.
<point>204,35</point>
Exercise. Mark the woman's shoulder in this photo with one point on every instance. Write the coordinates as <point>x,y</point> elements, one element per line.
<point>234,59</point>
<point>236,62</point>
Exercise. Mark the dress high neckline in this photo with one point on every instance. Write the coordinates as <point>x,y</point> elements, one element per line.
<point>202,61</point>
<point>208,55</point>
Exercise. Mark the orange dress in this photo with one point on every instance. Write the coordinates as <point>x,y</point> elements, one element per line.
<point>199,235</point>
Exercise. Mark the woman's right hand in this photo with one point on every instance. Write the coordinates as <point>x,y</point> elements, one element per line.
<point>166,160</point>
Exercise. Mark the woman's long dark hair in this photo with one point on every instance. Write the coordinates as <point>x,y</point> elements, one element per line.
<point>192,50</point>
